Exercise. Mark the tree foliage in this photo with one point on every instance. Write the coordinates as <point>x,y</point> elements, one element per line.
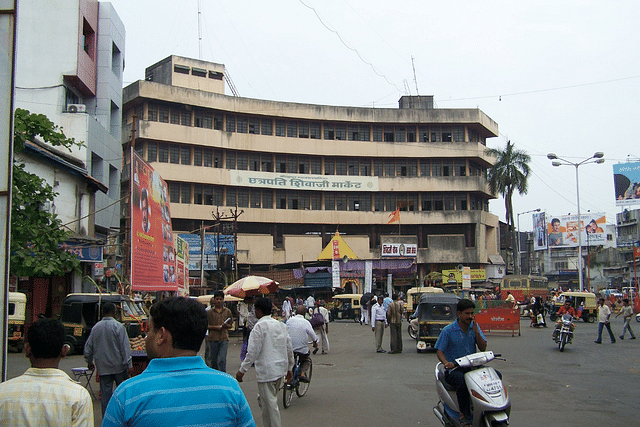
<point>510,174</point>
<point>35,233</point>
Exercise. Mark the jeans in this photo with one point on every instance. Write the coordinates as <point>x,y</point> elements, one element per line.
<point>608,326</point>
<point>627,327</point>
<point>218,354</point>
<point>107,387</point>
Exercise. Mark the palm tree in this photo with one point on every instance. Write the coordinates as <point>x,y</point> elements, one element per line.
<point>508,175</point>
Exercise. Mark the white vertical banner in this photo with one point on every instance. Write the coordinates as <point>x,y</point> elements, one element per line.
<point>368,276</point>
<point>335,274</point>
<point>390,284</point>
<point>466,277</point>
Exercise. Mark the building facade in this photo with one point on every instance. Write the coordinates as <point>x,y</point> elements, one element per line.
<point>69,65</point>
<point>297,173</point>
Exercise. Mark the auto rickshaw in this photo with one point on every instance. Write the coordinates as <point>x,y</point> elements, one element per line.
<point>414,294</point>
<point>81,311</point>
<point>585,304</point>
<point>435,311</point>
<point>345,306</point>
<point>16,317</point>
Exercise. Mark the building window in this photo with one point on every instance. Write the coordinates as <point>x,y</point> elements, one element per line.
<point>400,134</point>
<point>389,168</point>
<point>218,120</point>
<point>242,161</point>
<point>266,127</point>
<point>292,129</point>
<point>316,201</point>
<point>458,133</point>
<point>438,202</point>
<point>242,126</point>
<point>114,182</point>
<point>255,198</point>
<point>292,164</point>
<point>280,128</point>
<point>377,134</point>
<point>353,167</point>
<point>217,159</point>
<point>435,135</point>
<point>314,131</point>
<point>207,159</point>
<point>329,201</point>
<point>152,152</point>
<point>231,197</point>
<point>341,132</point>
<point>267,162</point>
<point>363,131</point>
<point>243,198</point>
<point>208,195</point>
<point>185,193</point>
<point>175,117</point>
<point>88,39</point>
<point>447,168</point>
<point>267,199</point>
<point>163,153</point>
<point>254,126</point>
<point>254,162</point>
<point>378,202</point>
<point>448,202</point>
<point>197,156</point>
<point>303,130</point>
<point>365,167</point>
<point>281,164</point>
<point>174,154</point>
<point>292,199</point>
<point>388,134</point>
<point>231,123</point>
<point>185,118</point>
<point>316,166</point>
<point>181,69</point>
<point>281,200</point>
<point>352,133</point>
<point>329,131</point>
<point>341,167</point>
<point>378,169</point>
<point>198,72</point>
<point>461,202</point>
<point>423,134</point>
<point>446,135</point>
<point>174,192</point>
<point>460,168</point>
<point>163,114</point>
<point>329,167</point>
<point>218,195</point>
<point>152,112</point>
<point>197,194</point>
<point>231,160</point>
<point>411,134</point>
<point>207,120</point>
<point>436,168</point>
<point>303,165</point>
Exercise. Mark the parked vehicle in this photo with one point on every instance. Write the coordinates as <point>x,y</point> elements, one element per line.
<point>436,310</point>
<point>345,306</point>
<point>81,311</point>
<point>489,400</point>
<point>16,317</point>
<point>564,336</point>
<point>414,294</point>
<point>585,304</point>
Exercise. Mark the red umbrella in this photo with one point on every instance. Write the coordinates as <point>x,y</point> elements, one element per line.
<point>250,286</point>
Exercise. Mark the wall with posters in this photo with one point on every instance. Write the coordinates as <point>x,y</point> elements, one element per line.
<point>153,261</point>
<point>562,231</point>
<point>626,180</point>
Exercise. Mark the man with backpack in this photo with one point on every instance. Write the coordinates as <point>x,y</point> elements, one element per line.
<point>320,322</point>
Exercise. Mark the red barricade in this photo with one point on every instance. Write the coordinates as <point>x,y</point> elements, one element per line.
<point>499,320</point>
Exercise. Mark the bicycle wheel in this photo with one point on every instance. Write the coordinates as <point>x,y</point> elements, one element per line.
<point>287,394</point>
<point>303,387</point>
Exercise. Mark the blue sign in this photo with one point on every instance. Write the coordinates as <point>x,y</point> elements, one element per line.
<point>86,252</point>
<point>211,248</point>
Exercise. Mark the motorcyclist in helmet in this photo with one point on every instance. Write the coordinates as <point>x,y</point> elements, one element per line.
<point>565,309</point>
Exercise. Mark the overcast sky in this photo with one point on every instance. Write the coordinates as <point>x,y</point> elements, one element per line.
<point>557,76</point>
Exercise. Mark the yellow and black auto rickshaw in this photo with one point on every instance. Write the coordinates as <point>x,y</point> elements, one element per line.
<point>16,317</point>
<point>345,306</point>
<point>435,311</point>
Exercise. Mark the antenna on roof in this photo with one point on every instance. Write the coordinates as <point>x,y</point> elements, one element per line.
<point>415,80</point>
<point>199,31</point>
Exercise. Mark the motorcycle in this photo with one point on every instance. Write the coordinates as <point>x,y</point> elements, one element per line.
<point>413,328</point>
<point>489,400</point>
<point>564,335</point>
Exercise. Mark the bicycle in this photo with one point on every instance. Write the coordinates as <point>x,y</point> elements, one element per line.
<point>296,385</point>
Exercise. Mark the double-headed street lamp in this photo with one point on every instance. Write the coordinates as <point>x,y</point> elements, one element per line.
<point>519,264</point>
<point>596,158</point>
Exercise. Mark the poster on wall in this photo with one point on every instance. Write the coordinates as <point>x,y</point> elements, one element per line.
<point>182,270</point>
<point>153,260</point>
<point>562,231</point>
<point>626,180</point>
<point>539,231</point>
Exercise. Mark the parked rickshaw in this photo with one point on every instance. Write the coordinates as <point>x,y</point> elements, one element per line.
<point>81,311</point>
<point>345,306</point>
<point>585,304</point>
<point>414,294</point>
<point>16,317</point>
<point>435,311</point>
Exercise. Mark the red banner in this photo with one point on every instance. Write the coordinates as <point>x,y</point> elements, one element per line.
<point>153,262</point>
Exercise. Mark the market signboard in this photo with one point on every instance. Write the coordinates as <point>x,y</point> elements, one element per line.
<point>626,180</point>
<point>399,250</point>
<point>475,274</point>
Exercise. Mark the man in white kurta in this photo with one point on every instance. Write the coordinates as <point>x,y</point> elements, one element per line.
<point>271,351</point>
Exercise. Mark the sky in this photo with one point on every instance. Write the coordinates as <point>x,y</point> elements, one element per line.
<point>561,77</point>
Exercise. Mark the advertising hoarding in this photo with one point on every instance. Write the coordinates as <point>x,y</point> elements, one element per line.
<point>539,231</point>
<point>626,180</point>
<point>211,247</point>
<point>153,261</point>
<point>562,231</point>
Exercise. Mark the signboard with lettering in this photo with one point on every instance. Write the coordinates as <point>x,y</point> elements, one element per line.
<point>289,181</point>
<point>399,250</point>
<point>476,274</point>
<point>84,252</point>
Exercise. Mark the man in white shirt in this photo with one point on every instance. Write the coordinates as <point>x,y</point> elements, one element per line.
<point>271,351</point>
<point>286,308</point>
<point>300,332</point>
<point>379,322</point>
<point>310,302</point>
<point>604,313</point>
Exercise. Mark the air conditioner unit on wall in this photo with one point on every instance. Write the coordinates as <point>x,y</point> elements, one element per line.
<point>76,108</point>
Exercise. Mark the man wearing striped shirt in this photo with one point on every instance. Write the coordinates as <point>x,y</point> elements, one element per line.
<point>178,388</point>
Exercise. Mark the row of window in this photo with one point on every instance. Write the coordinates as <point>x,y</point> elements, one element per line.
<point>200,194</point>
<point>213,119</point>
<point>268,162</point>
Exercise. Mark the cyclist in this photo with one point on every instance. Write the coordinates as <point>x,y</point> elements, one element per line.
<point>301,331</point>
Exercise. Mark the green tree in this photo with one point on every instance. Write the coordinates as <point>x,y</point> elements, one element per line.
<point>510,174</point>
<point>35,233</point>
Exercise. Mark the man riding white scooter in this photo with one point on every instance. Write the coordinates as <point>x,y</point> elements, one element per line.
<point>459,339</point>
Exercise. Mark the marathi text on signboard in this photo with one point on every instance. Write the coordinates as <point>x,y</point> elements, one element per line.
<point>476,275</point>
<point>626,180</point>
<point>399,250</point>
<point>288,181</point>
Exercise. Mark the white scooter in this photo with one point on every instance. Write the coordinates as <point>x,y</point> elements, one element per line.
<point>489,400</point>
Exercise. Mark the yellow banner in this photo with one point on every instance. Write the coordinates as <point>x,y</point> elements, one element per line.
<point>477,275</point>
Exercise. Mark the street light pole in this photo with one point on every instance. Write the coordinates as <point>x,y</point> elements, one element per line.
<point>596,158</point>
<point>519,263</point>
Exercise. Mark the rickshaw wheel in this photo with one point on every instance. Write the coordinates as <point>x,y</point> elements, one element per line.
<point>72,348</point>
<point>591,318</point>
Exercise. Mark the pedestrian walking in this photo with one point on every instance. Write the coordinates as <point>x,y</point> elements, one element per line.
<point>627,313</point>
<point>322,330</point>
<point>604,315</point>
<point>220,320</point>
<point>394,318</point>
<point>109,347</point>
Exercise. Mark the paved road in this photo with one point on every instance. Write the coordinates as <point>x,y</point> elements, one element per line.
<point>587,385</point>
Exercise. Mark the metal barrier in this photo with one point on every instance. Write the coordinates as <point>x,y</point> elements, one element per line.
<point>498,316</point>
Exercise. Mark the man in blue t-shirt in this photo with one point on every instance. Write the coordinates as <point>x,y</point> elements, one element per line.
<point>456,340</point>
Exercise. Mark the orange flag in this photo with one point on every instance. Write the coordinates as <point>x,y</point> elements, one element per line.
<point>394,216</point>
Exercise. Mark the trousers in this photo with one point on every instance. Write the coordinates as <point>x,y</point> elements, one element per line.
<point>218,354</point>
<point>395,330</point>
<point>608,326</point>
<point>107,387</point>
<point>268,401</point>
<point>379,325</point>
